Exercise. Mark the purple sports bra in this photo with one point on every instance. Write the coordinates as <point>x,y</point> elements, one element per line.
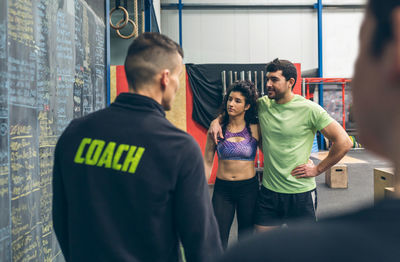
<point>242,150</point>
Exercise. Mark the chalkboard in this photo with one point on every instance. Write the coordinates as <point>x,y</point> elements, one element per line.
<point>52,69</point>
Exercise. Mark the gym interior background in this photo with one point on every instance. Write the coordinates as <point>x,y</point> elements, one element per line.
<point>60,59</point>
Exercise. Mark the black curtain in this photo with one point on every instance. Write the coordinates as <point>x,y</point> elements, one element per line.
<point>206,83</point>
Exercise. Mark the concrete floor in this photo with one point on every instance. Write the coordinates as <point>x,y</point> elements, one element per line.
<point>360,191</point>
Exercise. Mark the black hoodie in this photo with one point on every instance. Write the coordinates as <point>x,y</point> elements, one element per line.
<point>127,185</point>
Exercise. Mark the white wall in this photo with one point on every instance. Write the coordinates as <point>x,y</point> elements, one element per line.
<point>157,11</point>
<point>258,36</point>
<point>340,42</point>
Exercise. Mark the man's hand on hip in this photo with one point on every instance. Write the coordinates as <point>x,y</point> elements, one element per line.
<point>305,170</point>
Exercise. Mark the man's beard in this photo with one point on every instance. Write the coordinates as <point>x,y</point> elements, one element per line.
<point>277,96</point>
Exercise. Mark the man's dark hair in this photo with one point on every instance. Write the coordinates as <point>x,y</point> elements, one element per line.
<point>382,11</point>
<point>288,69</point>
<point>148,54</point>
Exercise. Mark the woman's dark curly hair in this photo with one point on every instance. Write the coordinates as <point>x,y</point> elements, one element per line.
<point>247,89</point>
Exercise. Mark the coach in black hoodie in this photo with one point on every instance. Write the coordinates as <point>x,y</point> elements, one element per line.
<point>127,184</point>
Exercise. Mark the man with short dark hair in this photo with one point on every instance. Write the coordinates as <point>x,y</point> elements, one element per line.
<point>371,234</point>
<point>127,184</point>
<point>288,125</point>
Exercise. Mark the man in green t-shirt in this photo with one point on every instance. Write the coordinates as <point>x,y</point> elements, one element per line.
<point>288,125</point>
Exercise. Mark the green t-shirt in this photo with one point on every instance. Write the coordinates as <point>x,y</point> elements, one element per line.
<point>288,132</point>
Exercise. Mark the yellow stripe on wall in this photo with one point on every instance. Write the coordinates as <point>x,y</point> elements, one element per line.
<point>177,114</point>
<point>113,83</point>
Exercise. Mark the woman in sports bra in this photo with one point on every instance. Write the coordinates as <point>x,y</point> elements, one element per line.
<point>236,185</point>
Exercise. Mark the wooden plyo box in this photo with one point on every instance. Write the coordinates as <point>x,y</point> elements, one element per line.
<point>383,177</point>
<point>336,176</point>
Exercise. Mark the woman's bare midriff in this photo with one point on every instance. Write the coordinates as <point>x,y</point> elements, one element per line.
<point>235,170</point>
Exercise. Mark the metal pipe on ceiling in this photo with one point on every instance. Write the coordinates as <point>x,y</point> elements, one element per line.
<point>254,6</point>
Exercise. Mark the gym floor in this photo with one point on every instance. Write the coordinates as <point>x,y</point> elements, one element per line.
<point>360,192</point>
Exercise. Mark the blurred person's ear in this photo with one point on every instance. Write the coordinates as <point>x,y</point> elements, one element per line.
<point>394,56</point>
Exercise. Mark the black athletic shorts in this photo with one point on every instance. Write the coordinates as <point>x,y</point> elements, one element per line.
<point>276,209</point>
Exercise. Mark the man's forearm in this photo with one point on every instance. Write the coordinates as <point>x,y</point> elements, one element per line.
<point>218,119</point>
<point>336,153</point>
<point>215,129</point>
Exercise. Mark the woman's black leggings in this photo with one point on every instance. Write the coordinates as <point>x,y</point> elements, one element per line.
<point>235,195</point>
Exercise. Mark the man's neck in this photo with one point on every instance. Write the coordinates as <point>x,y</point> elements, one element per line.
<point>149,92</point>
<point>287,98</point>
